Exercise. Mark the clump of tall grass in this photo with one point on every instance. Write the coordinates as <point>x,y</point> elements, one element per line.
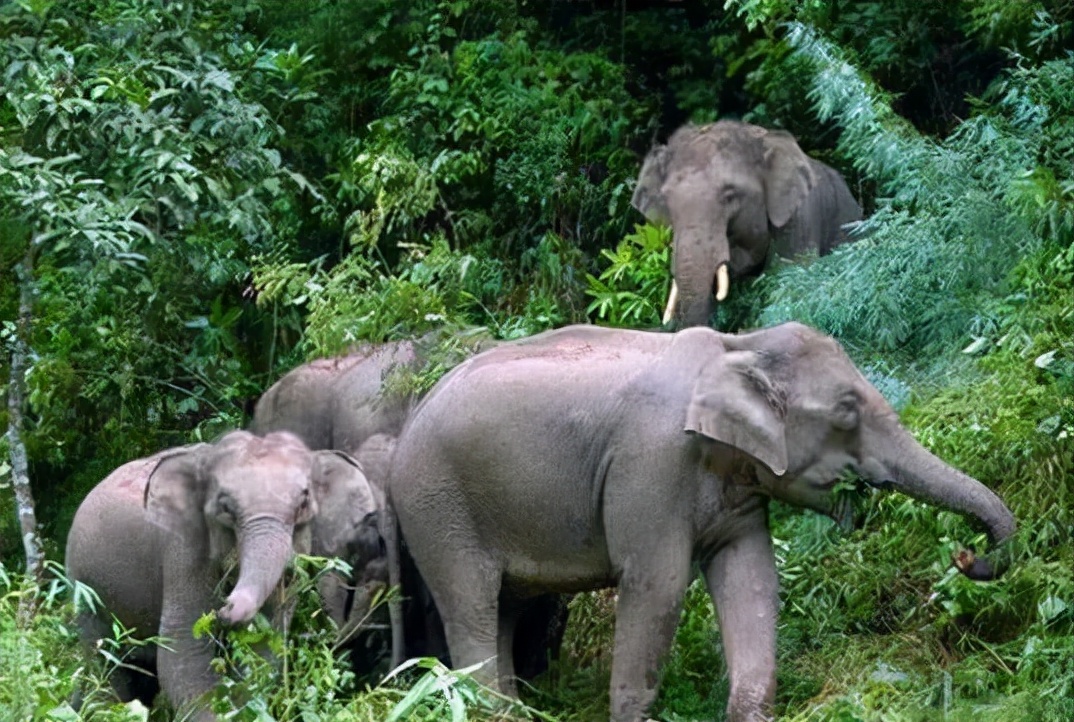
<point>953,217</point>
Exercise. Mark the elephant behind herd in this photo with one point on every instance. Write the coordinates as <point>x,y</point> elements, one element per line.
<point>572,460</point>
<point>736,195</point>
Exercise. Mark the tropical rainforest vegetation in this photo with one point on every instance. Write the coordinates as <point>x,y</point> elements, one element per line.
<point>197,196</point>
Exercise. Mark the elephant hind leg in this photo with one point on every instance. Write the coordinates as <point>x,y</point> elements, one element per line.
<point>508,620</point>
<point>466,590</point>
<point>539,633</point>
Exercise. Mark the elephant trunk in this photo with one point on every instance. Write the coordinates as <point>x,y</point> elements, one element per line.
<point>701,272</point>
<point>913,470</point>
<point>265,549</point>
<point>336,594</point>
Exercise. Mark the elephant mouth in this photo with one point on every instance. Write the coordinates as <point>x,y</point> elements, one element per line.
<point>875,474</point>
<point>849,491</point>
<point>844,514</point>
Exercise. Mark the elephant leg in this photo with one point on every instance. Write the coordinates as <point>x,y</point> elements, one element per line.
<point>505,637</point>
<point>744,586</point>
<point>646,615</point>
<point>467,595</point>
<point>185,667</point>
<point>185,671</point>
<point>539,633</point>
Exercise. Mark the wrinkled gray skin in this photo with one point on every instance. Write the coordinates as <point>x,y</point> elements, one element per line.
<point>589,457</point>
<point>736,194</point>
<point>154,540</point>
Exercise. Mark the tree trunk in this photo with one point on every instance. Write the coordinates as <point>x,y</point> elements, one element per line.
<point>16,402</point>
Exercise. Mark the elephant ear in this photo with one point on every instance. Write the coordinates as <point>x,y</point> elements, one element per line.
<point>648,193</point>
<point>788,176</point>
<point>335,471</point>
<point>174,496</point>
<point>735,403</point>
<point>344,498</point>
<point>375,456</point>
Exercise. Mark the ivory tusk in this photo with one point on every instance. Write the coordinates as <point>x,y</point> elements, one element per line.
<point>722,282</point>
<point>673,298</point>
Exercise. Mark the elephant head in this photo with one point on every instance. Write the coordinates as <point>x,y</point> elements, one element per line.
<point>790,398</point>
<point>246,493</point>
<point>347,527</point>
<point>733,193</point>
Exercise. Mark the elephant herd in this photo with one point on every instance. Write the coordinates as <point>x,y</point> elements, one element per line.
<point>573,460</point>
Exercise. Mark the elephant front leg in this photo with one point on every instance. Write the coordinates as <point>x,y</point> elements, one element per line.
<point>184,664</point>
<point>646,616</point>
<point>185,670</point>
<point>745,589</point>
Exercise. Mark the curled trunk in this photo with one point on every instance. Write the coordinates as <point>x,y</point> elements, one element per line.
<point>918,473</point>
<point>335,591</point>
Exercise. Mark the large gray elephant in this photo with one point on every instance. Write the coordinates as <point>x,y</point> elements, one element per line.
<point>590,457</point>
<point>734,195</point>
<point>155,537</point>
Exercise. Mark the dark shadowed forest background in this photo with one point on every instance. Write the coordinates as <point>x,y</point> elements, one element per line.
<point>197,196</point>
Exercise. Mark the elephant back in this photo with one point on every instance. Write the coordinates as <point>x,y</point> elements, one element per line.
<point>298,401</point>
<point>114,549</point>
<point>818,224</point>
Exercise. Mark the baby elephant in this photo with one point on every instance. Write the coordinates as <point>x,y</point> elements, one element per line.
<point>153,539</point>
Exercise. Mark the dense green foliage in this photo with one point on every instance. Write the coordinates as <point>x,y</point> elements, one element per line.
<point>209,193</point>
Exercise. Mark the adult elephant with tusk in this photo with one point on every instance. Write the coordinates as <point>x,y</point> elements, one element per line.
<point>589,457</point>
<point>154,540</point>
<point>734,195</point>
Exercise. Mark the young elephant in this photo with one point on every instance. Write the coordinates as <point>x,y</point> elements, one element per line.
<point>349,527</point>
<point>154,539</point>
<point>589,457</point>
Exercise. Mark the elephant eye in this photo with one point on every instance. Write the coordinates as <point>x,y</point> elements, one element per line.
<point>847,415</point>
<point>226,507</point>
<point>303,503</point>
